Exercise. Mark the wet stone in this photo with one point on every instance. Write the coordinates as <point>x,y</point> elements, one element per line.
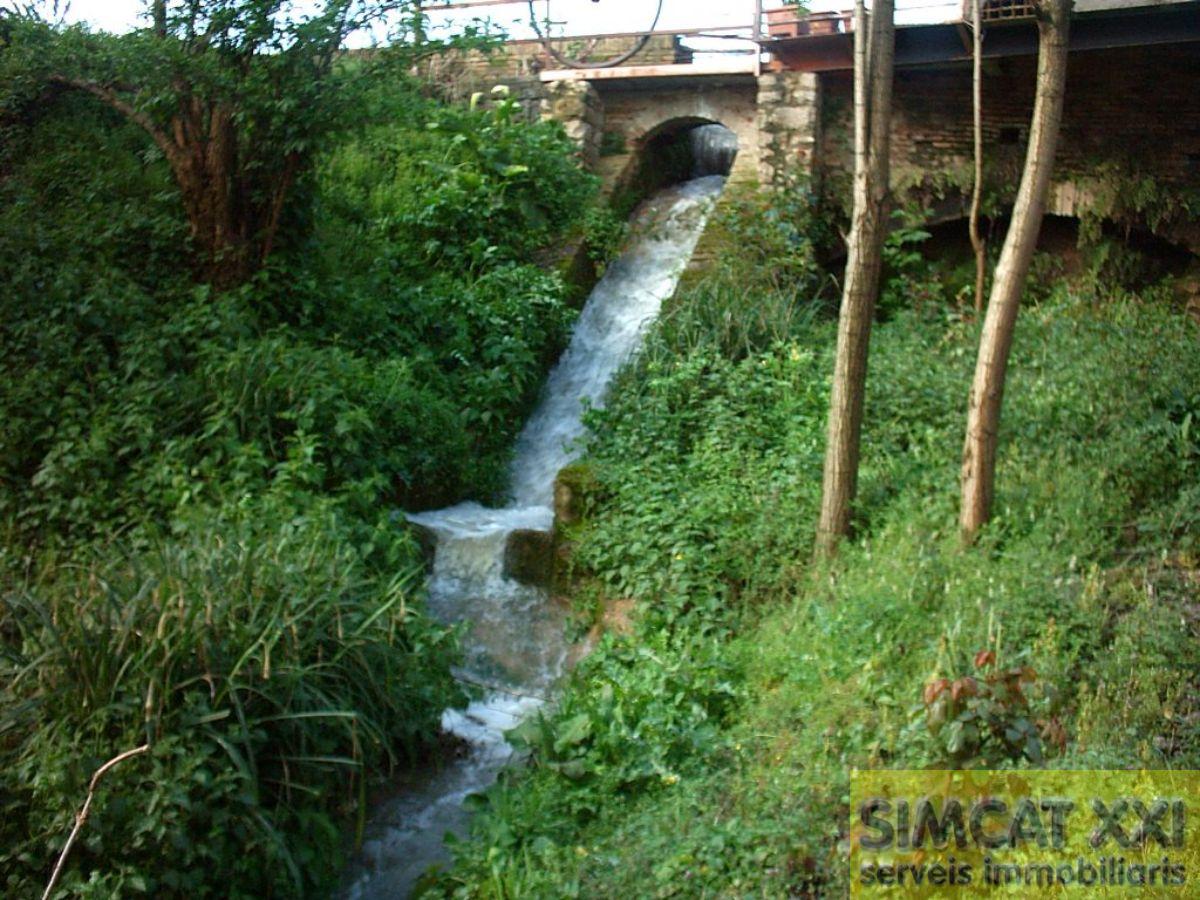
<point>529,557</point>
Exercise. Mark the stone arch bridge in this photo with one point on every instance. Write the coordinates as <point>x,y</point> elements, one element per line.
<point>1132,107</point>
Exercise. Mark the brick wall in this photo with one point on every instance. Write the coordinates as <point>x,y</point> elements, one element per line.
<point>1139,104</point>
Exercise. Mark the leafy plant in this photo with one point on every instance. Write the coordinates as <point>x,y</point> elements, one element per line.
<point>199,546</point>
<point>703,481</point>
<point>906,284</point>
<point>603,233</point>
<point>269,670</point>
<point>988,715</point>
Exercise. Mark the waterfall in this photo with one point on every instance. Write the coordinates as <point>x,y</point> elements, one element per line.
<point>514,642</point>
<point>714,147</point>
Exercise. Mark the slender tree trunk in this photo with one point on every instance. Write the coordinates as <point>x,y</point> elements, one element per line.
<point>158,15</point>
<point>987,389</point>
<point>977,241</point>
<point>874,45</point>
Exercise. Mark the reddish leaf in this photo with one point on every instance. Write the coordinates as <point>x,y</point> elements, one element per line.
<point>964,687</point>
<point>984,658</point>
<point>1054,733</point>
<point>934,689</point>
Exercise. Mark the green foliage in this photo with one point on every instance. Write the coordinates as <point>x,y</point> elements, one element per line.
<point>906,284</point>
<point>367,369</point>
<point>759,291</point>
<point>603,233</point>
<point>235,97</point>
<point>772,239</point>
<point>197,487</point>
<point>612,143</point>
<point>638,714</point>
<point>267,665</point>
<point>425,226</point>
<point>1121,191</point>
<point>705,548</point>
<point>456,188</point>
<point>707,470</point>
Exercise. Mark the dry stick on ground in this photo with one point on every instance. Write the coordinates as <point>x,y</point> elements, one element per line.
<point>83,814</point>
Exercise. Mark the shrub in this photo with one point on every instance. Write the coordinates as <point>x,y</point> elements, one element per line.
<point>269,670</point>
<point>1061,637</point>
<point>197,488</point>
<point>397,370</point>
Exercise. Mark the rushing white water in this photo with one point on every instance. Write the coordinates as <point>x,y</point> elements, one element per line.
<point>714,147</point>
<point>515,644</point>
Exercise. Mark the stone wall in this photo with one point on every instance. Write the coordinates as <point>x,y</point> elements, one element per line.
<point>789,124</point>
<point>634,117</point>
<point>577,105</point>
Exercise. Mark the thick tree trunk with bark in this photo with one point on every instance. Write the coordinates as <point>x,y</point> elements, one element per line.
<point>233,225</point>
<point>873,63</point>
<point>987,389</point>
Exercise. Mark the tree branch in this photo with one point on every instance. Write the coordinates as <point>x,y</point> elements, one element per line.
<point>124,107</point>
<point>81,818</point>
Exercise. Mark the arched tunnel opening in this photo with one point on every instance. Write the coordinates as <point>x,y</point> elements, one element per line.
<point>682,150</point>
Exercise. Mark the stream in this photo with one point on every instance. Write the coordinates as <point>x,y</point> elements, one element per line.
<point>515,646</point>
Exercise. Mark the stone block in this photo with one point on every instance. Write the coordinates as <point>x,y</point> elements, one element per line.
<point>529,557</point>
<point>796,118</point>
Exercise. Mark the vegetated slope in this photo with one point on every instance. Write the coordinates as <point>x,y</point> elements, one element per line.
<point>198,490</point>
<point>707,752</point>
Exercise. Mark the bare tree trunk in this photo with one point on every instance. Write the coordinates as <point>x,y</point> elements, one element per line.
<point>873,58</point>
<point>977,241</point>
<point>987,389</point>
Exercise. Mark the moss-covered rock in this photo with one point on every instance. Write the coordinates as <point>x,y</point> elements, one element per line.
<point>529,557</point>
<point>574,489</point>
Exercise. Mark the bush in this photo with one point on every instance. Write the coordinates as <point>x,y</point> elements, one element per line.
<point>271,672</point>
<point>396,361</point>
<point>198,489</point>
<point>449,188</point>
<point>1043,643</point>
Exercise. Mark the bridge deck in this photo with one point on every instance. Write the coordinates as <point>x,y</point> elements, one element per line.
<point>747,65</point>
<point>825,44</point>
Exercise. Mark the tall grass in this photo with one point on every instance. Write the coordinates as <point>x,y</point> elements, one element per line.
<point>703,483</point>
<point>722,316</point>
<point>266,666</point>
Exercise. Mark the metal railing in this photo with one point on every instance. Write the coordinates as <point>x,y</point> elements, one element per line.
<point>770,20</point>
<point>1003,10</point>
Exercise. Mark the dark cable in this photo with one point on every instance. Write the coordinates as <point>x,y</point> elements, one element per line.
<point>573,63</point>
